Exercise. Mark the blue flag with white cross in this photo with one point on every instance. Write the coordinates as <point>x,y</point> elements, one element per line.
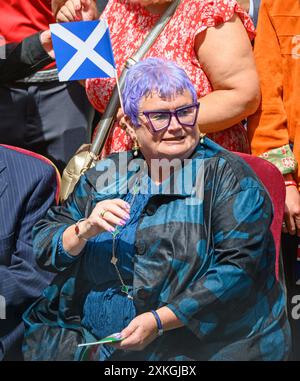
<point>83,50</point>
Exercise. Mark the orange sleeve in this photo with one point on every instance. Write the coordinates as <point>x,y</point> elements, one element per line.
<point>267,128</point>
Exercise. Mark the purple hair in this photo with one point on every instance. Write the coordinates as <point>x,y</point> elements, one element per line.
<point>153,75</point>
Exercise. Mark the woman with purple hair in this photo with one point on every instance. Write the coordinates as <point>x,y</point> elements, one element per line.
<point>210,40</point>
<point>167,248</point>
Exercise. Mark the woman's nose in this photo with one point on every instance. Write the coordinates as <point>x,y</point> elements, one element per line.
<point>174,124</point>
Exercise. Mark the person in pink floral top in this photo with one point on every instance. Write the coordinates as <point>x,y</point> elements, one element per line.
<point>210,40</point>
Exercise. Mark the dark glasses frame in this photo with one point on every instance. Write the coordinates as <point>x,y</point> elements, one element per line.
<point>147,114</point>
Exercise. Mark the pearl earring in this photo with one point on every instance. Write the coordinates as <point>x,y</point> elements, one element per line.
<point>135,148</point>
<point>202,137</point>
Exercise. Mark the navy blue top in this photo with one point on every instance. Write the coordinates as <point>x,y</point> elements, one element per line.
<point>105,301</point>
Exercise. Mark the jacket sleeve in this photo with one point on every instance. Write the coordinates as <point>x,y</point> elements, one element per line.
<point>22,280</point>
<point>48,232</point>
<point>23,59</point>
<point>267,128</point>
<point>242,247</point>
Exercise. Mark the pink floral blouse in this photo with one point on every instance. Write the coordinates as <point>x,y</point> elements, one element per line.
<point>129,24</point>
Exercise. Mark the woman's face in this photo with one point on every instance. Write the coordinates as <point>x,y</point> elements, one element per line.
<point>176,141</point>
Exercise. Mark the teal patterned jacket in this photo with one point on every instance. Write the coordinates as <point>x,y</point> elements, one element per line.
<point>209,258</point>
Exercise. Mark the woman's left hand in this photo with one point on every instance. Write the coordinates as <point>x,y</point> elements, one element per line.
<point>141,331</point>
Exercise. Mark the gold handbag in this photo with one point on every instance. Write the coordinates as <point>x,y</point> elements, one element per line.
<point>80,162</point>
<point>87,154</point>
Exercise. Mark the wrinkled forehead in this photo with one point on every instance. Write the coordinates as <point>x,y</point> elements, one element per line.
<point>165,96</point>
<point>171,99</point>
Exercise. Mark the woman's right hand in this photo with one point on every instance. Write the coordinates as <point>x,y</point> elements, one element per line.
<point>105,216</point>
<point>77,10</point>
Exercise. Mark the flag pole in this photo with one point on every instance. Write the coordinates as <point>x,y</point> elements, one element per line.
<point>116,74</point>
<point>119,91</point>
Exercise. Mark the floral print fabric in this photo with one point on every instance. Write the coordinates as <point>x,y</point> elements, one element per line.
<point>283,158</point>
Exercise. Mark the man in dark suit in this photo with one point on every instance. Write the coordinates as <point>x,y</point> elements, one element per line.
<point>28,187</point>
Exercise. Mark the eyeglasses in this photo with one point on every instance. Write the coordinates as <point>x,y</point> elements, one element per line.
<point>186,116</point>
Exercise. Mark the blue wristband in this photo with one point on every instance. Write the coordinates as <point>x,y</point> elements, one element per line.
<point>158,322</point>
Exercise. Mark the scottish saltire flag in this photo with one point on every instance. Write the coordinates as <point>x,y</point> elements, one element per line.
<point>83,50</point>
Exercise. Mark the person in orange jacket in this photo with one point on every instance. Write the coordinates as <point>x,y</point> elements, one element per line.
<point>274,130</point>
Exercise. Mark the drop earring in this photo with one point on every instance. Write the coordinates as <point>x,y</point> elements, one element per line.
<point>202,137</point>
<point>135,148</point>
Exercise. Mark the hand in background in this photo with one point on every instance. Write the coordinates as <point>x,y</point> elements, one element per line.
<point>245,4</point>
<point>56,5</point>
<point>76,10</point>
<point>292,211</point>
<point>89,10</point>
<point>45,38</point>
